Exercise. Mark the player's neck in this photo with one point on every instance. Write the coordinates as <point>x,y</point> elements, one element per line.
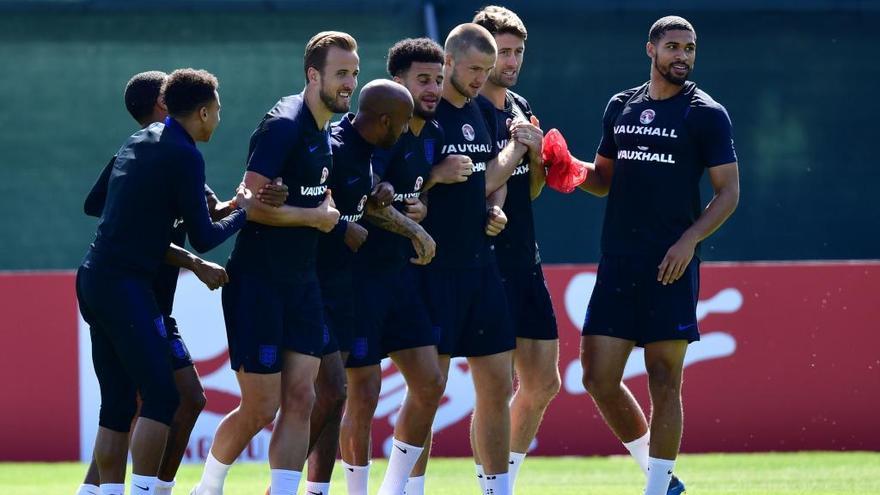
<point>494,93</point>
<point>661,89</point>
<point>362,127</point>
<point>320,112</point>
<point>452,95</point>
<point>416,124</point>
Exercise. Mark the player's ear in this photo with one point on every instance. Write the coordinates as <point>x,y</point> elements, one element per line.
<point>385,119</point>
<point>397,80</point>
<point>313,75</point>
<point>203,114</point>
<point>650,49</point>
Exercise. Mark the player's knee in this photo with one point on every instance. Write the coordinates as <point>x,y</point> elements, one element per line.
<point>331,397</point>
<point>663,377</point>
<point>298,399</point>
<point>160,403</point>
<point>546,390</point>
<point>192,402</point>
<point>117,414</point>
<point>363,395</point>
<point>599,387</point>
<point>429,391</point>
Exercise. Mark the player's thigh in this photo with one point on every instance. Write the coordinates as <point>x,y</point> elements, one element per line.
<point>419,365</point>
<point>364,387</point>
<point>260,392</point>
<point>536,363</point>
<point>189,386</point>
<point>331,375</point>
<point>603,358</point>
<point>664,361</point>
<point>298,375</point>
<point>492,374</point>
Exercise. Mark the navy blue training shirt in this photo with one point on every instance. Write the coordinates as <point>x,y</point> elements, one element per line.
<point>515,246</point>
<point>287,144</point>
<point>660,150</point>
<point>165,282</point>
<point>457,212</point>
<point>157,178</point>
<point>406,167</point>
<point>351,183</point>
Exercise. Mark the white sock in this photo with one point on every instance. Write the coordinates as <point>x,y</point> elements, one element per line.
<point>284,481</point>
<point>516,460</point>
<point>213,477</point>
<point>638,449</point>
<point>164,487</point>
<point>659,474</point>
<point>142,485</point>
<point>87,489</point>
<point>317,488</point>
<point>356,477</point>
<point>481,477</point>
<point>497,484</point>
<point>415,486</point>
<point>400,463</point>
<point>112,489</point>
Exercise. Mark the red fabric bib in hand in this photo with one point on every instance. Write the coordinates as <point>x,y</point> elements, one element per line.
<point>565,172</point>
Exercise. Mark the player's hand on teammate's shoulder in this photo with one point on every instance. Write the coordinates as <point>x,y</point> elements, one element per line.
<point>382,195</point>
<point>424,246</point>
<point>211,274</point>
<point>677,259</point>
<point>414,209</point>
<point>355,235</point>
<point>273,193</point>
<point>327,215</point>
<point>496,220</point>
<point>453,169</point>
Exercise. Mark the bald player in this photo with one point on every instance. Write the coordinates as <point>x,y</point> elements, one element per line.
<point>462,286</point>
<point>384,110</point>
<point>392,318</point>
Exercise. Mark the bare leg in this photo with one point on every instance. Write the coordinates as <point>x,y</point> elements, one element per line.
<point>537,372</point>
<point>422,465</point>
<point>192,401</point>
<point>493,385</point>
<point>665,362</point>
<point>364,385</point>
<point>290,439</point>
<point>603,359</point>
<point>326,416</point>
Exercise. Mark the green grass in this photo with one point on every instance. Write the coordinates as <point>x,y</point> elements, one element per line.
<point>809,473</point>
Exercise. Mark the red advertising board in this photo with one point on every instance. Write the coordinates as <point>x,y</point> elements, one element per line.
<point>788,360</point>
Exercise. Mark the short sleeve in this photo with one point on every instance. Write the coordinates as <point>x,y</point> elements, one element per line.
<point>271,143</point>
<point>381,159</point>
<point>607,146</point>
<point>714,136</point>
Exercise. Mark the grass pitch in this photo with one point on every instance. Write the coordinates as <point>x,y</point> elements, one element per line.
<point>807,473</point>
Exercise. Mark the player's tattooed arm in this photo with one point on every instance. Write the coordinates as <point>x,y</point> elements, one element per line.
<point>500,168</point>
<point>211,274</point>
<point>393,221</point>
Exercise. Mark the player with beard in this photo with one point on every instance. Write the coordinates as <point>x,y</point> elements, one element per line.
<point>384,109</point>
<point>658,140</point>
<point>392,318</point>
<point>537,341</point>
<point>462,286</point>
<point>272,306</point>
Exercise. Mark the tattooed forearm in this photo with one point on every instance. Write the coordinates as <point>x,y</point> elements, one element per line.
<point>390,219</point>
